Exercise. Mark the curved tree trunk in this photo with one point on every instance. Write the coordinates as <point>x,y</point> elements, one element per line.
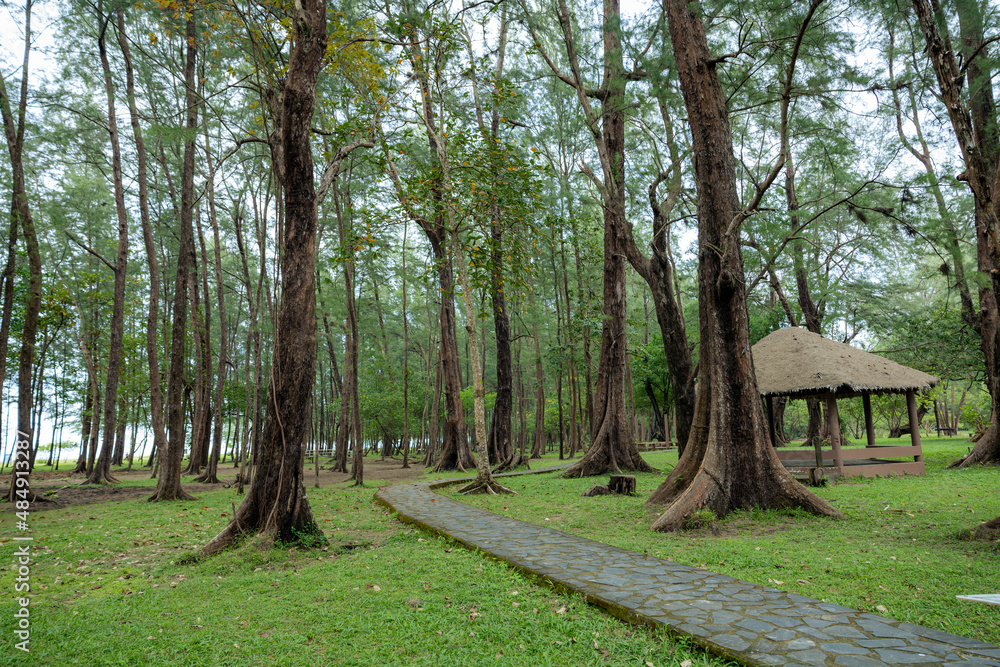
<point>276,503</point>
<point>729,462</point>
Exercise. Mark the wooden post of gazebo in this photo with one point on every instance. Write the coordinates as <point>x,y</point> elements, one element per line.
<point>911,408</point>
<point>833,427</point>
<point>770,419</point>
<point>866,399</point>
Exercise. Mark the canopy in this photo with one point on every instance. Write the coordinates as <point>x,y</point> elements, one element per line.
<point>797,362</point>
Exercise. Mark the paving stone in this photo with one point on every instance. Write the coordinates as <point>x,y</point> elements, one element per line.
<point>897,657</point>
<point>726,617</point>
<point>732,642</point>
<point>811,657</point>
<point>880,643</point>
<point>840,648</point>
<point>880,629</point>
<point>844,631</point>
<point>813,632</point>
<point>757,625</point>
<point>694,630</point>
<point>781,621</point>
<point>781,635</point>
<point>857,661</point>
<point>995,653</point>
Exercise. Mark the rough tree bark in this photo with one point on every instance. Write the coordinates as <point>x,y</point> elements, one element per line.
<point>499,445</point>
<point>20,214</point>
<point>977,139</point>
<point>729,462</point>
<point>101,474</point>
<point>276,503</point>
<point>168,484</point>
<point>455,451</point>
<point>658,272</point>
<point>484,482</point>
<point>613,447</point>
<point>982,108</point>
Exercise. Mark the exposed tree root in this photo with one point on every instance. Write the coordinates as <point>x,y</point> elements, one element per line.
<point>613,451</point>
<point>769,487</point>
<point>207,478</point>
<point>10,496</point>
<point>985,451</point>
<point>455,452</point>
<point>99,478</point>
<point>513,462</point>
<point>487,486</point>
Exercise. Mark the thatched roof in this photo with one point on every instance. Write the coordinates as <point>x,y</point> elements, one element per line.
<point>797,362</point>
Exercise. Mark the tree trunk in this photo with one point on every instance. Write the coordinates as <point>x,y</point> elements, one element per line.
<point>276,503</point>
<point>538,443</point>
<point>168,485</point>
<point>613,448</point>
<point>499,444</point>
<point>101,474</point>
<point>729,462</point>
<point>21,219</point>
<point>455,452</point>
<point>982,108</point>
<point>406,363</point>
<point>484,482</point>
<point>211,471</point>
<point>201,373</point>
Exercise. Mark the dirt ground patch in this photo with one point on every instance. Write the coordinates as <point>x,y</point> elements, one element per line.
<point>64,489</point>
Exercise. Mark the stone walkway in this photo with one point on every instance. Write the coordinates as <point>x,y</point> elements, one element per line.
<point>748,623</point>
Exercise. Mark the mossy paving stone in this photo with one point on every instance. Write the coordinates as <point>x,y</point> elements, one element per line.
<point>751,624</point>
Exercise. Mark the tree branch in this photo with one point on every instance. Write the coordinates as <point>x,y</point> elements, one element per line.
<point>91,251</point>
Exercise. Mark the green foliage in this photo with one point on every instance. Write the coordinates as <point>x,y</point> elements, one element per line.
<point>976,417</point>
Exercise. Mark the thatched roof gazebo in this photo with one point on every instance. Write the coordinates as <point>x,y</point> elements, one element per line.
<point>797,363</point>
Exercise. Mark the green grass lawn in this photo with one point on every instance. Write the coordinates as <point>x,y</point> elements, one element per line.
<point>107,589</point>
<point>897,551</point>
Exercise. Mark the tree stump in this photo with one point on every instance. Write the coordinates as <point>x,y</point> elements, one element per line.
<point>599,490</point>
<point>622,484</point>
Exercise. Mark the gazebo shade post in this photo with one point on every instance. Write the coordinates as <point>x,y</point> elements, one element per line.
<point>911,408</point>
<point>833,426</point>
<point>770,419</point>
<point>866,399</point>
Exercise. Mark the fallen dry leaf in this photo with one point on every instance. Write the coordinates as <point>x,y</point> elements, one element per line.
<point>561,610</point>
